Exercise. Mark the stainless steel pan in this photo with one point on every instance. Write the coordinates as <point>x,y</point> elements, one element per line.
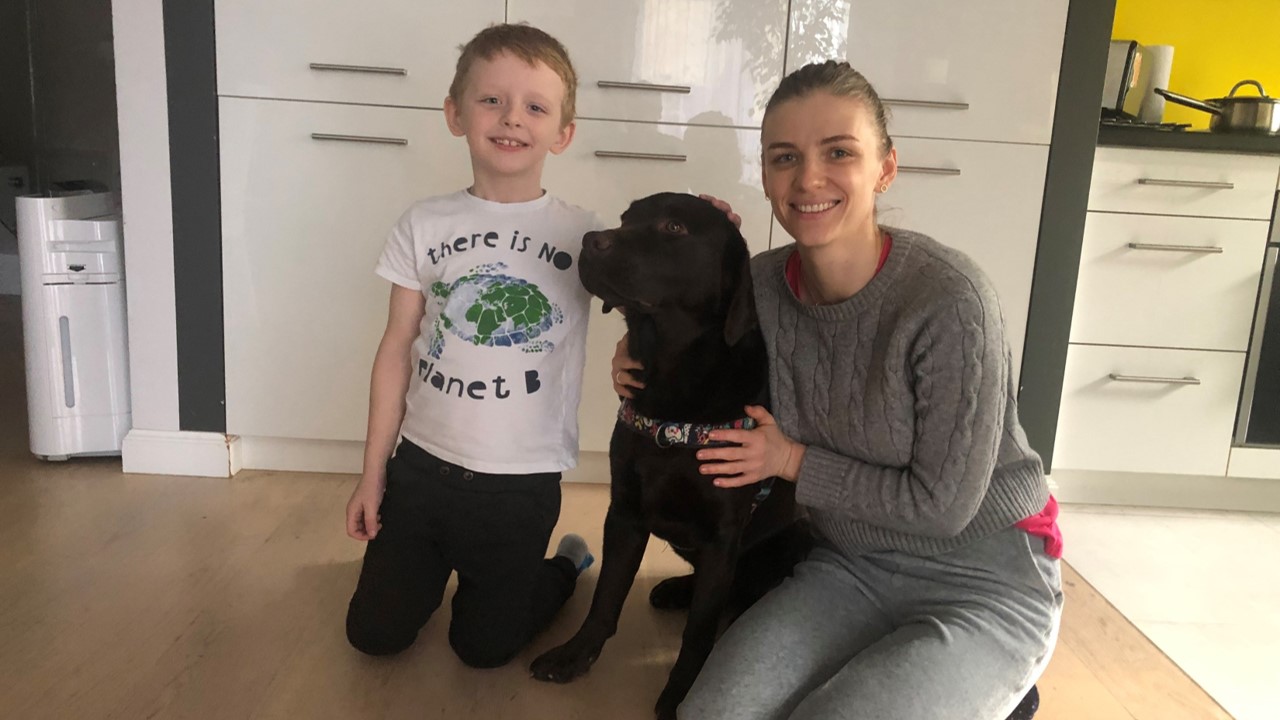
<point>1244,113</point>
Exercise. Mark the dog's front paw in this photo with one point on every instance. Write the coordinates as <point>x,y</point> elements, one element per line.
<point>674,593</point>
<point>562,664</point>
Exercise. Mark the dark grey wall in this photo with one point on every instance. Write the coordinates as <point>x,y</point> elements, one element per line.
<point>15,85</point>
<point>1066,200</point>
<point>57,90</point>
<point>191,63</point>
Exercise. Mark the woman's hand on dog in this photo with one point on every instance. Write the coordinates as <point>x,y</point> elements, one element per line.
<point>623,381</point>
<point>724,207</point>
<point>758,454</point>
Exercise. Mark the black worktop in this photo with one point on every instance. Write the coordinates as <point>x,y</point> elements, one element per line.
<point>1198,140</point>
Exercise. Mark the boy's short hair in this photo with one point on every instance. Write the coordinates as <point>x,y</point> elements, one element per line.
<point>527,43</point>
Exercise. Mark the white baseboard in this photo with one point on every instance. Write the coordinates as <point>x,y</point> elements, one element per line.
<point>1254,463</point>
<point>345,457</point>
<point>1091,487</point>
<point>288,454</point>
<point>165,452</point>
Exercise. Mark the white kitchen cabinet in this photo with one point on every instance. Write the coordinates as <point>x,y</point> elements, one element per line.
<point>977,70</point>
<point>1169,269</point>
<point>609,164</point>
<point>384,52</point>
<point>304,219</point>
<point>1147,410</point>
<point>1167,281</point>
<point>303,223</point>
<point>980,198</point>
<point>1166,182</point>
<point>708,62</point>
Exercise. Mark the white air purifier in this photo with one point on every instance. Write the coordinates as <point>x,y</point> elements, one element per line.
<point>74,331</point>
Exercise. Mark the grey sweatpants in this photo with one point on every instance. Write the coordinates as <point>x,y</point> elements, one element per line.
<point>889,636</point>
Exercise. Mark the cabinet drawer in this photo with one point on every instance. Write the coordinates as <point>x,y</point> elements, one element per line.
<point>950,190</point>
<point>1168,182</point>
<point>303,223</point>
<point>1181,282</point>
<point>715,62</point>
<point>385,52</point>
<point>609,164</point>
<point>1111,419</point>
<point>978,70</point>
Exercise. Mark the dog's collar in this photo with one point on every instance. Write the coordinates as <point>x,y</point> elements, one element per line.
<point>666,433</point>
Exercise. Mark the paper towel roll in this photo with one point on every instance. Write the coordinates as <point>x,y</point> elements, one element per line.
<point>1161,59</point>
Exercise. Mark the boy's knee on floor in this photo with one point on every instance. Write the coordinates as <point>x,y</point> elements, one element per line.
<point>377,641</point>
<point>482,655</point>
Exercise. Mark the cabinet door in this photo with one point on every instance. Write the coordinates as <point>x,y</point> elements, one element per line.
<point>714,62</point>
<point>599,408</point>
<point>1147,410</point>
<point>1164,281</point>
<point>640,159</point>
<point>386,52</point>
<point>609,164</point>
<point>980,198</point>
<point>303,223</point>
<point>977,70</point>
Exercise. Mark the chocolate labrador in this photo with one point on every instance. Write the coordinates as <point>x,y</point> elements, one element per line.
<point>680,271</point>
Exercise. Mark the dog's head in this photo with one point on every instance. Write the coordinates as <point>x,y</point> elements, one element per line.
<point>673,252</point>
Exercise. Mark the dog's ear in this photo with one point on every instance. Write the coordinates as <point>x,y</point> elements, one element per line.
<point>607,307</point>
<point>741,317</point>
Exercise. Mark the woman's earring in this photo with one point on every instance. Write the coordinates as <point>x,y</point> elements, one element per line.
<point>884,187</point>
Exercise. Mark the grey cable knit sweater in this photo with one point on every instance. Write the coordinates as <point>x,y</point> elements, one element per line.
<point>904,397</point>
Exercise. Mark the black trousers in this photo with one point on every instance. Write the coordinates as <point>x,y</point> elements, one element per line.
<point>493,530</point>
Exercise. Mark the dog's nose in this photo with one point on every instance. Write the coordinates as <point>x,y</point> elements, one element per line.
<point>599,241</point>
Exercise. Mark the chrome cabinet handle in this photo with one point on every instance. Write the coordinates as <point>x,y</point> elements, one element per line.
<point>1210,185</point>
<point>640,155</point>
<point>1207,249</point>
<point>68,369</point>
<point>360,138</point>
<point>1153,379</point>
<point>934,104</point>
<point>643,86</point>
<point>928,170</point>
<point>372,69</point>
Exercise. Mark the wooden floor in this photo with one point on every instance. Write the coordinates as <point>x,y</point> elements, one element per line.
<point>156,597</point>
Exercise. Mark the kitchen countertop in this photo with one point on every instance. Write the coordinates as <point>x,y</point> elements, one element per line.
<point>1200,140</point>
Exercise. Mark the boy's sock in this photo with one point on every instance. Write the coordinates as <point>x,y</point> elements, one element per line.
<point>574,548</point>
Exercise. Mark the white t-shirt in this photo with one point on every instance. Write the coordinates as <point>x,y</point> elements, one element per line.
<point>497,365</point>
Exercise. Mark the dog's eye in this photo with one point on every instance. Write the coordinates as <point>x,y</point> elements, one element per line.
<point>674,227</point>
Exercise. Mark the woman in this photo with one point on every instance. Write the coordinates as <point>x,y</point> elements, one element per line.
<point>934,591</point>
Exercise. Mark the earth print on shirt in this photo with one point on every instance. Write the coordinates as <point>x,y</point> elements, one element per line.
<point>488,307</point>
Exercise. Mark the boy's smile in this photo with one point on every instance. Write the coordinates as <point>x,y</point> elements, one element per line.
<point>511,114</point>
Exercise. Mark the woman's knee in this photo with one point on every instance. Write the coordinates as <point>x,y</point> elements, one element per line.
<point>714,701</point>
<point>702,705</point>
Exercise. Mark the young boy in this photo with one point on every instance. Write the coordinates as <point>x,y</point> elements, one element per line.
<point>479,375</point>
